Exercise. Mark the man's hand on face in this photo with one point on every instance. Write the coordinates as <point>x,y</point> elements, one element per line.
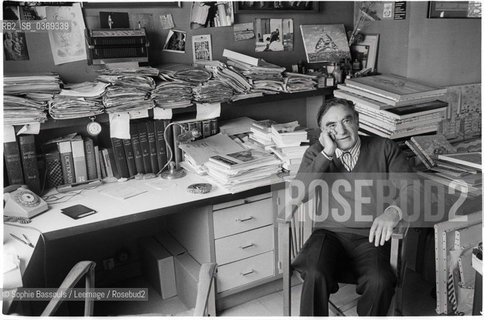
<point>326,138</point>
<point>382,227</point>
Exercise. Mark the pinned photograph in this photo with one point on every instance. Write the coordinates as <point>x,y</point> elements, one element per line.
<point>325,42</point>
<point>202,48</point>
<point>210,14</point>
<point>166,21</point>
<point>243,31</point>
<point>175,42</point>
<point>15,46</point>
<point>274,35</point>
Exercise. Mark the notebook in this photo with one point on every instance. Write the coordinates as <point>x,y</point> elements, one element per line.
<point>78,211</point>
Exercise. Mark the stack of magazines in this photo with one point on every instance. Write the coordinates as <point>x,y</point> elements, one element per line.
<point>243,170</point>
<point>78,100</point>
<point>128,92</point>
<point>25,97</point>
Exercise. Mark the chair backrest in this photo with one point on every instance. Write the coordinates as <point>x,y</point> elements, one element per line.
<point>77,272</point>
<point>205,280</point>
<point>301,226</point>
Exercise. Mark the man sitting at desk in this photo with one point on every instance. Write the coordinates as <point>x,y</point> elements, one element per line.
<point>356,239</point>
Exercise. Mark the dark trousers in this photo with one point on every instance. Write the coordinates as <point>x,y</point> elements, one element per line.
<point>328,258</point>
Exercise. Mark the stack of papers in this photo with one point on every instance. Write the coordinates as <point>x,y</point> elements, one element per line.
<point>231,78</point>
<point>22,110</point>
<point>212,91</point>
<point>172,94</point>
<point>261,132</point>
<point>26,97</point>
<point>297,82</point>
<point>237,170</point>
<point>78,100</point>
<point>288,134</point>
<point>128,91</point>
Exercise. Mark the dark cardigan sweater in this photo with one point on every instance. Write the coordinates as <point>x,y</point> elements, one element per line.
<point>351,200</point>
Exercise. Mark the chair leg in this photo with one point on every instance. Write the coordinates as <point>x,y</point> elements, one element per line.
<point>337,311</point>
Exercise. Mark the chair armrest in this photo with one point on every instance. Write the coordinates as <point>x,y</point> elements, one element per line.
<point>400,230</point>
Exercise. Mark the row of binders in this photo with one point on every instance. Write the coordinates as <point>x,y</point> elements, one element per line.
<point>395,107</point>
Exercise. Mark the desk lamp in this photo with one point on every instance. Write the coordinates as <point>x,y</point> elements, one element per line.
<point>185,136</point>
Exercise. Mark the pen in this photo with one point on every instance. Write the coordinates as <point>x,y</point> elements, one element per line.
<point>28,240</point>
<point>21,240</point>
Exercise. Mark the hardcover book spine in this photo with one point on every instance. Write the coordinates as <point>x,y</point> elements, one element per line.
<point>138,154</point>
<point>159,127</point>
<point>120,158</point>
<point>98,162</point>
<point>145,147</point>
<point>206,129</point>
<point>214,126</point>
<point>29,162</point>
<point>67,162</point>
<point>150,129</point>
<point>54,169</point>
<point>13,163</point>
<point>422,150</point>
<point>90,159</point>
<point>128,150</point>
<point>104,169</point>
<point>112,161</point>
<point>79,158</point>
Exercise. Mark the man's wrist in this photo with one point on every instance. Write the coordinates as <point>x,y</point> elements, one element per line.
<point>327,156</point>
<point>396,210</point>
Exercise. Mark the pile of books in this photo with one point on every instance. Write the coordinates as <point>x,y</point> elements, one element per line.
<point>291,142</point>
<point>78,100</point>
<point>444,165</point>
<point>244,169</point>
<point>261,132</point>
<point>394,107</point>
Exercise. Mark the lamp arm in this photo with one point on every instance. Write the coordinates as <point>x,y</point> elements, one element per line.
<point>170,159</point>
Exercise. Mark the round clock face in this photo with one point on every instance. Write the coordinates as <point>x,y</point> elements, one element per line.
<point>94,128</point>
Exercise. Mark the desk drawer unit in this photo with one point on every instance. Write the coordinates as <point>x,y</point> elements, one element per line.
<point>245,271</point>
<point>251,213</point>
<point>244,245</point>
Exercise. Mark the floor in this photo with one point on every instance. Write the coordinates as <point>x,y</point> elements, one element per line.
<point>417,302</point>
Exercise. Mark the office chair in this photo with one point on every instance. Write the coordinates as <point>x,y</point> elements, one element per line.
<point>296,229</point>
<point>75,274</point>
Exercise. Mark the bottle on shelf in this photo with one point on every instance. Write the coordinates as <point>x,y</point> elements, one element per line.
<point>338,73</point>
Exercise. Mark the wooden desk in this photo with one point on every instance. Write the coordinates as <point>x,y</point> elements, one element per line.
<point>68,241</point>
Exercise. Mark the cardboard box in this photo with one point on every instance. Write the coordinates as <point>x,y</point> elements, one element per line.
<point>159,267</point>
<point>187,270</point>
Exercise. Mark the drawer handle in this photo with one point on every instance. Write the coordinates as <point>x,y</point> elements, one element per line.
<point>247,273</point>
<point>247,246</point>
<point>244,219</point>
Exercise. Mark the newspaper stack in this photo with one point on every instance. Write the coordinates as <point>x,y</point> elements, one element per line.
<point>25,97</point>
<point>243,170</point>
<point>19,110</point>
<point>78,100</point>
<point>128,92</point>
<point>172,94</point>
<point>212,91</point>
<point>230,77</point>
<point>297,82</point>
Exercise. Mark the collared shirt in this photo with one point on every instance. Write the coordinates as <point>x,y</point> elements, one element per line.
<point>349,157</point>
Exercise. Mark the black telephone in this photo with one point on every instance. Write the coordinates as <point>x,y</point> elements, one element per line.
<point>19,201</point>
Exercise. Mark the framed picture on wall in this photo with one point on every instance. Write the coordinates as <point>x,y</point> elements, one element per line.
<point>280,6</point>
<point>366,51</point>
<point>325,42</point>
<point>454,9</point>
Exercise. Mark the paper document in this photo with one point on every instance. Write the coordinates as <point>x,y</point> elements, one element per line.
<point>119,125</point>
<point>201,150</point>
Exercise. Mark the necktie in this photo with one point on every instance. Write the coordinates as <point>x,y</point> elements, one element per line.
<point>347,160</point>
